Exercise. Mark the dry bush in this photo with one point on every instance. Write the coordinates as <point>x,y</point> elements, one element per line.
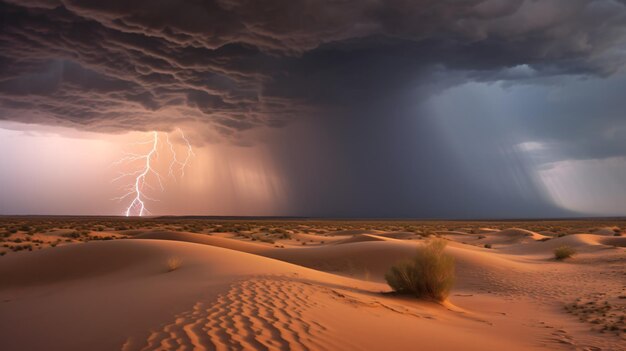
<point>563,252</point>
<point>173,263</point>
<point>430,274</point>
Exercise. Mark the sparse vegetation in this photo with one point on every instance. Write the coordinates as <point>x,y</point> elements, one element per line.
<point>605,316</point>
<point>563,252</point>
<point>430,274</point>
<point>83,229</point>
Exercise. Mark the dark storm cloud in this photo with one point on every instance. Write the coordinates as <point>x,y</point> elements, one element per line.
<point>356,73</point>
<point>244,64</point>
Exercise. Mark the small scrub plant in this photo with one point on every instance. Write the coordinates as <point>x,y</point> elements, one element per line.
<point>563,252</point>
<point>487,246</point>
<point>266,240</point>
<point>429,274</point>
<point>173,263</point>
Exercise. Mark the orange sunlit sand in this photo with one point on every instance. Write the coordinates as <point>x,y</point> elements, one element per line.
<point>102,284</point>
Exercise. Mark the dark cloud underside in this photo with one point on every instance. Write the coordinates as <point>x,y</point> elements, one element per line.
<point>357,73</point>
<point>242,64</point>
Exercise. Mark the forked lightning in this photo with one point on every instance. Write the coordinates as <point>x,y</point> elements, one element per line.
<point>136,189</point>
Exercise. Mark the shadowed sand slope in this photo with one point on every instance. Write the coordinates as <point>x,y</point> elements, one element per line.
<point>124,284</point>
<point>582,243</point>
<point>365,255</point>
<point>204,239</point>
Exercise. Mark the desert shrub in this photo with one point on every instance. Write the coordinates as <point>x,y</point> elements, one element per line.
<point>173,263</point>
<point>487,246</point>
<point>430,274</point>
<point>266,239</point>
<point>563,252</point>
<point>74,234</point>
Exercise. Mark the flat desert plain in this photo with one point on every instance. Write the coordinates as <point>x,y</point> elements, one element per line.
<point>99,283</point>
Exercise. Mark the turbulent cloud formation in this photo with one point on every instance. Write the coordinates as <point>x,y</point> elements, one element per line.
<point>356,73</point>
<point>243,64</point>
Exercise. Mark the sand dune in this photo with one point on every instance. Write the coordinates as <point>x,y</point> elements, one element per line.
<point>353,255</point>
<point>354,232</point>
<point>580,242</point>
<point>226,309</point>
<point>317,237</point>
<point>487,230</point>
<point>127,281</point>
<point>609,231</point>
<point>512,236</point>
<point>398,235</point>
<point>360,239</point>
<point>231,293</point>
<point>218,241</point>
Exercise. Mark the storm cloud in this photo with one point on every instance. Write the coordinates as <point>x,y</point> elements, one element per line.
<point>361,75</point>
<point>243,64</point>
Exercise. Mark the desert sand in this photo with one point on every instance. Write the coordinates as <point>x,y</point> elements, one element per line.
<point>207,284</point>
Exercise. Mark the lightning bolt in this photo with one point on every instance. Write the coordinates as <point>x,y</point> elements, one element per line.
<point>135,189</point>
<point>175,162</point>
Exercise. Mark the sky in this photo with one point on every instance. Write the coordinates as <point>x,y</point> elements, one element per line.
<point>368,108</point>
